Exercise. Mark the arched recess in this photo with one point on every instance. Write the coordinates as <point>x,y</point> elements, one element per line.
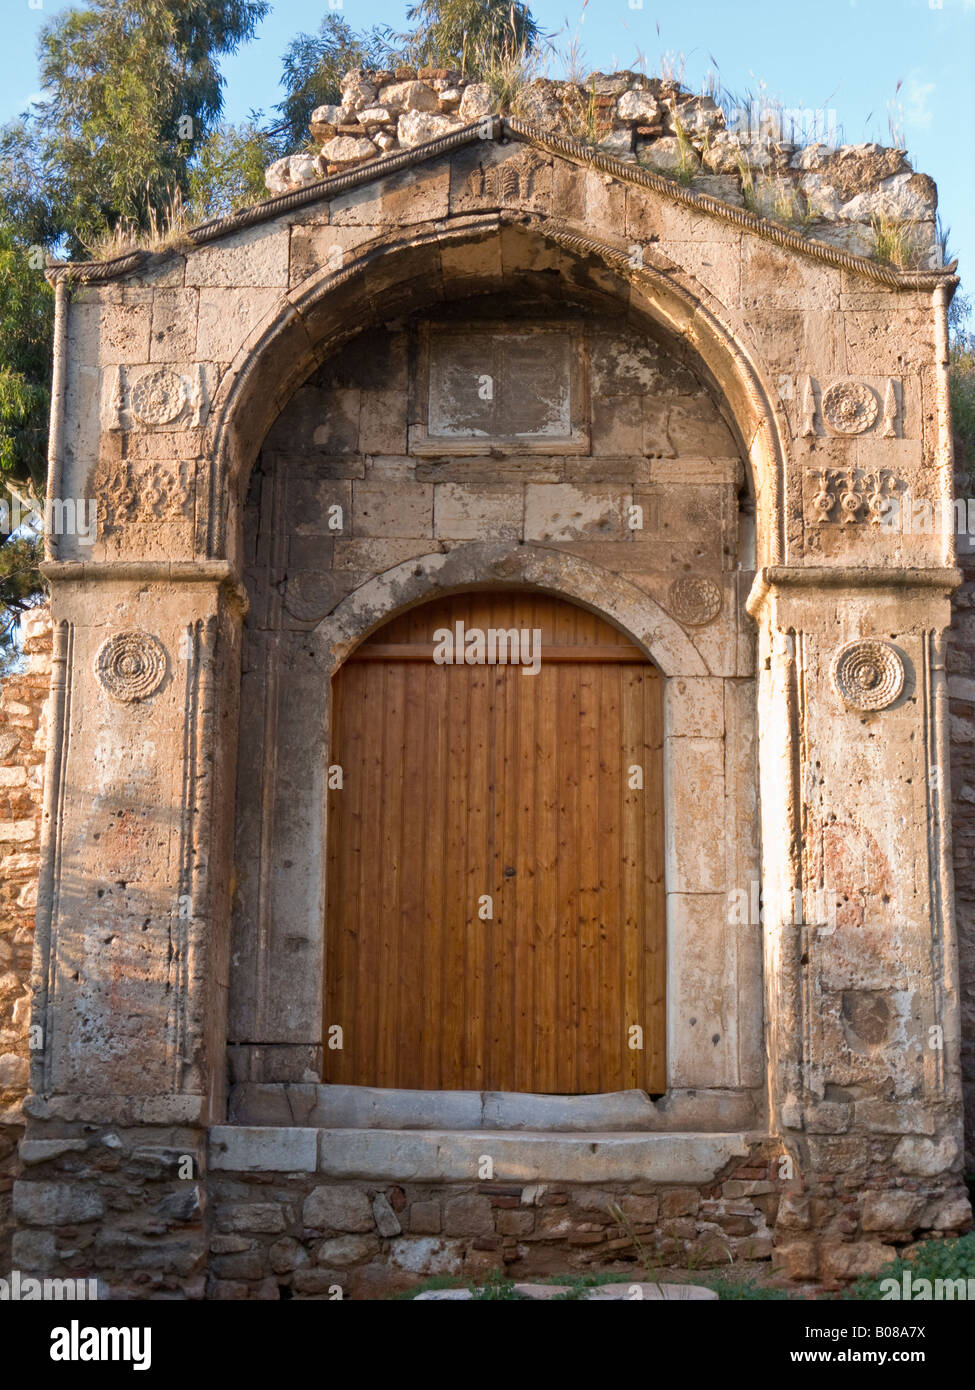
<point>401,273</point>
<point>494,565</point>
<point>279,936</point>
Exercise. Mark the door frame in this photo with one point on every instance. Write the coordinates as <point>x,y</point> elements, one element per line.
<point>700,1094</point>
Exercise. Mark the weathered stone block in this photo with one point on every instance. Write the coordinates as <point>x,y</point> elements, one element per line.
<point>387,1222</point>
<point>476,513</point>
<point>263,1217</point>
<point>849,1261</point>
<point>246,1265</point>
<point>516,1223</point>
<point>641,1210</point>
<point>425,1218</point>
<point>799,1259</point>
<point>891,1211</point>
<point>286,1255</point>
<point>564,513</point>
<point>392,510</point>
<point>56,1204</point>
<point>337,1208</point>
<point>425,1255</point>
<point>346,1250</point>
<point>468,1216</point>
<point>249,1150</point>
<point>681,1201</point>
<point>34,1250</point>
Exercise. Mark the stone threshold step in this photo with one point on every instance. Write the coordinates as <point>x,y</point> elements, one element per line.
<point>369,1107</point>
<point>378,1155</point>
<point>601,1293</point>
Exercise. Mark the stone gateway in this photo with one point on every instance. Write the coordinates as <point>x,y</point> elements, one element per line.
<point>353,964</point>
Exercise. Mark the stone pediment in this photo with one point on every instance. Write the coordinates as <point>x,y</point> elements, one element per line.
<point>507,179</point>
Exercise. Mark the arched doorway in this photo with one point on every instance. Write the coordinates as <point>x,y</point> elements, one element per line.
<point>495,883</point>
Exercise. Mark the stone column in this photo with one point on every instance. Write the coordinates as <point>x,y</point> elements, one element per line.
<point>861,958</point>
<point>130,965</point>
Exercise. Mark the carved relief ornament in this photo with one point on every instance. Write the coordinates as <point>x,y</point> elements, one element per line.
<point>131,666</point>
<point>868,674</point>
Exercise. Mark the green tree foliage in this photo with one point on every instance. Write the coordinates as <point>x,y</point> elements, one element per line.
<point>313,67</point>
<point>132,88</point>
<point>470,33</point>
<point>961,369</point>
<point>228,170</point>
<point>26,317</point>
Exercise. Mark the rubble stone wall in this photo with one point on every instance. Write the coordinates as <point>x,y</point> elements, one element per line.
<point>961,688</point>
<point>23,697</point>
<point>851,196</point>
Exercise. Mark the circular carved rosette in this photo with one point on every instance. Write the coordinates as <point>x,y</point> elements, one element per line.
<point>694,601</point>
<point>868,675</point>
<point>849,407</point>
<point>131,666</point>
<point>158,397</point>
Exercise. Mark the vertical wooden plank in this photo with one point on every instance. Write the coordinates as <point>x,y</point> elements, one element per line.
<point>480,872</point>
<point>566,1021</point>
<point>592,901</point>
<point>431,812</point>
<point>343,848</point>
<point>499,938</point>
<point>613,1074</point>
<point>459,912</point>
<point>525,885</point>
<point>413,926</point>
<point>654,888</point>
<point>389,1001</point>
<point>546,856</point>
<point>633,916</point>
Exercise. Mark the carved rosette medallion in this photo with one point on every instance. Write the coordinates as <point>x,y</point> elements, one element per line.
<point>158,397</point>
<point>131,666</point>
<point>849,407</point>
<point>868,674</point>
<point>694,601</point>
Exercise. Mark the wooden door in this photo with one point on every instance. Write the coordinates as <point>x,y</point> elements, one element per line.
<point>495,895</point>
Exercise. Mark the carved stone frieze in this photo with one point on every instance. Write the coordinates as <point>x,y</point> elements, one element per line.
<point>127,492</point>
<point>847,495</point>
<point>511,180</point>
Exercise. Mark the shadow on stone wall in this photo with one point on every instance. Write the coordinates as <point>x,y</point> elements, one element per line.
<point>23,696</point>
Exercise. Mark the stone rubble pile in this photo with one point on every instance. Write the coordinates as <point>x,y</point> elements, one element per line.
<point>837,195</point>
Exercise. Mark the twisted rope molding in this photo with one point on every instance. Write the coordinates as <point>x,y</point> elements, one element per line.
<point>96,272</point>
<point>714,207</point>
<point>92,272</point>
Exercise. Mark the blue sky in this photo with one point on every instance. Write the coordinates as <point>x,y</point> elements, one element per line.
<point>842,56</point>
